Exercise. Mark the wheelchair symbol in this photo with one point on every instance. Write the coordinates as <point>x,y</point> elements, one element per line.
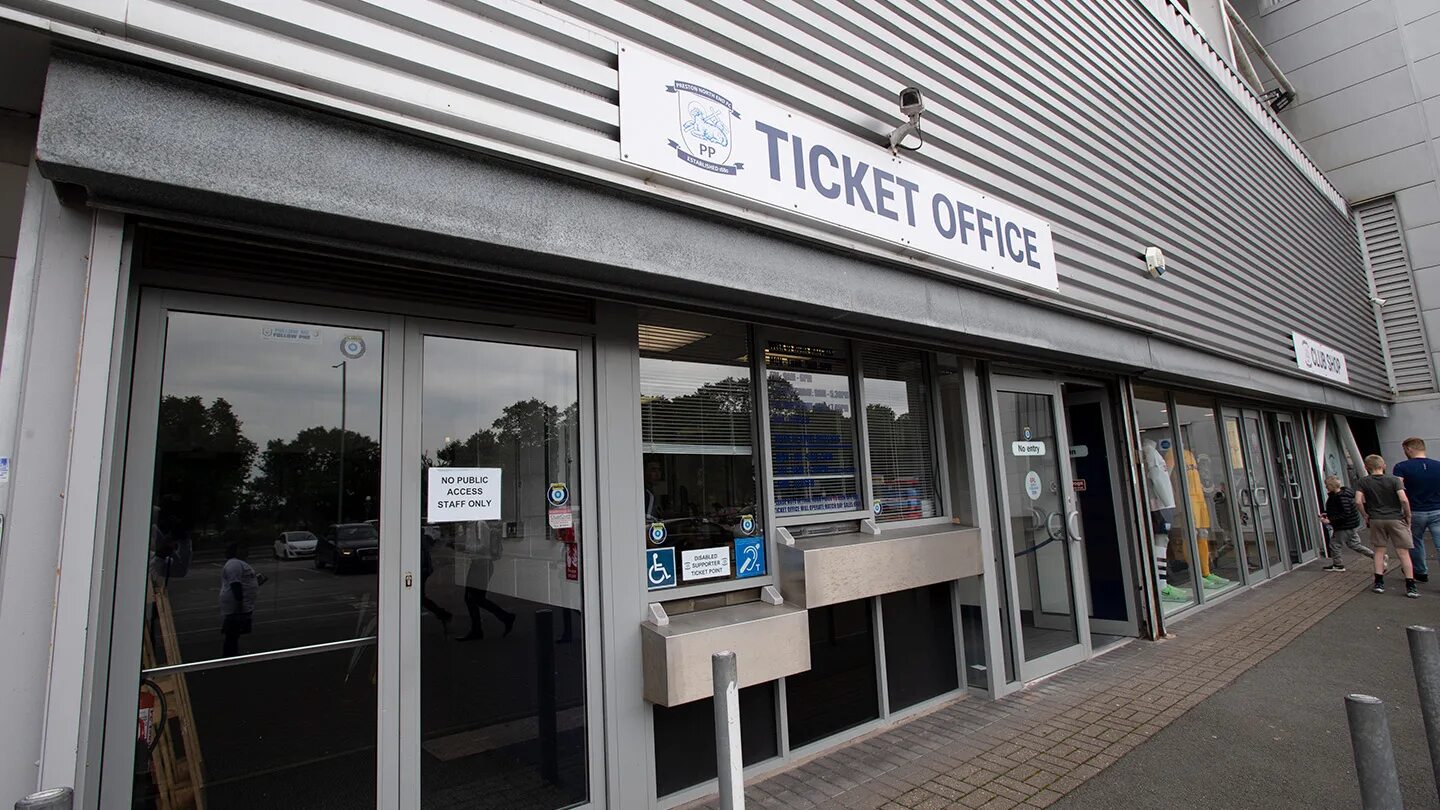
<point>660,570</point>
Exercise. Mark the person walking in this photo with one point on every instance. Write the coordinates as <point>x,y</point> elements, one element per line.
<point>1422,486</point>
<point>483,553</point>
<point>1344,521</point>
<point>1382,502</point>
<point>238,586</point>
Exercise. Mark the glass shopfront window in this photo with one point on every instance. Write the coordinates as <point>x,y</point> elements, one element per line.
<point>899,429</point>
<point>697,415</point>
<point>812,428</point>
<point>1334,462</point>
<point>1169,525</point>
<point>1217,546</point>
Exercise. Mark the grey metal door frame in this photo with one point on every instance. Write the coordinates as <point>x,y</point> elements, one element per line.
<point>141,432</point>
<point>1029,670</point>
<point>1259,490</point>
<point>409,730</point>
<point>397,698</point>
<point>1100,394</point>
<point>1299,492</point>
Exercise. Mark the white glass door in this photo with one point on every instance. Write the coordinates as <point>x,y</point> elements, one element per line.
<point>253,603</point>
<point>1292,485</point>
<point>500,660</point>
<point>1040,527</point>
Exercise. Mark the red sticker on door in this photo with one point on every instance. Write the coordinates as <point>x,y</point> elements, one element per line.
<point>1078,484</point>
<point>572,562</point>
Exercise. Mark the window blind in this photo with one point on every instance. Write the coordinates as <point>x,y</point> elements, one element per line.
<point>902,443</point>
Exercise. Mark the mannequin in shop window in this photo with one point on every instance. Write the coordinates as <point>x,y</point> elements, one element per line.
<point>1200,514</point>
<point>1162,515</point>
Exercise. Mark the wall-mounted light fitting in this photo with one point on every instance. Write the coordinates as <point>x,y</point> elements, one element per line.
<point>1154,262</point>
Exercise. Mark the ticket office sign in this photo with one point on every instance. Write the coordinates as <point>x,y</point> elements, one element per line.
<point>688,124</point>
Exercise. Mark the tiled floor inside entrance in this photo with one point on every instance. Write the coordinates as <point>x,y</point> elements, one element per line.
<point>1030,749</point>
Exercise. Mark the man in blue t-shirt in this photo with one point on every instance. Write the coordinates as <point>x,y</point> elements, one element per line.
<point>1422,483</point>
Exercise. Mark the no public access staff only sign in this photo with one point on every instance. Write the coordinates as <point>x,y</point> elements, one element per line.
<point>682,122</point>
<point>456,494</point>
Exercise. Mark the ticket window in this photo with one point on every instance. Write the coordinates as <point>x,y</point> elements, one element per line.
<point>705,523</point>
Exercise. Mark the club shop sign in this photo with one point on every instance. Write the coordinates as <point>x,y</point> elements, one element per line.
<point>1319,359</point>
<point>685,123</point>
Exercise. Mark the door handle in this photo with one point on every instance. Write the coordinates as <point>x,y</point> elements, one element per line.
<point>1247,499</point>
<point>1071,522</point>
<point>1053,531</point>
<point>1294,490</point>
<point>1262,496</point>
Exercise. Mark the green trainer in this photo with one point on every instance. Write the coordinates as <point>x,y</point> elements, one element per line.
<point>1170,593</point>
<point>1215,582</point>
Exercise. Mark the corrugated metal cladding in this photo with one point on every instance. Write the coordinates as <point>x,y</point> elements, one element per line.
<point>1395,283</point>
<point>1090,114</point>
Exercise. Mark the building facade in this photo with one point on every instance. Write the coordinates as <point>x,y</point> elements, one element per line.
<point>1367,110</point>
<point>402,401</point>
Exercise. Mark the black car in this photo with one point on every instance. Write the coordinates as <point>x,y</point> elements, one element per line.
<point>347,546</point>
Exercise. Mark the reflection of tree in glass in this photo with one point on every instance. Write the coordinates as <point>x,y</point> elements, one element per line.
<point>716,413</point>
<point>895,449</point>
<point>522,427</point>
<point>296,484</point>
<point>204,460</point>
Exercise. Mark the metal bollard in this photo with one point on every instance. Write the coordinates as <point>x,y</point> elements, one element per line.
<point>1374,758</point>
<point>728,762</point>
<point>62,798</point>
<point>1425,655</point>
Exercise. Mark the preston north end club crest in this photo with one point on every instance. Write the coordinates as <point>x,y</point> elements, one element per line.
<point>707,128</point>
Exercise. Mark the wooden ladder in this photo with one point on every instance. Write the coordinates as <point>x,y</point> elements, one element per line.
<point>176,762</point>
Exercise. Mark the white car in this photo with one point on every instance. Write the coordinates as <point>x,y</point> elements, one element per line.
<point>295,545</point>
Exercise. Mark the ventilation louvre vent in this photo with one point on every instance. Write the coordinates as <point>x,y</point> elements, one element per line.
<point>1395,283</point>
<point>291,265</point>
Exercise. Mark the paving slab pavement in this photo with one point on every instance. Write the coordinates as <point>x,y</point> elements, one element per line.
<point>1041,746</point>
<point>1277,736</point>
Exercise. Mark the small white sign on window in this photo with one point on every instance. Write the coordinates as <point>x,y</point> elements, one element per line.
<point>1033,486</point>
<point>705,563</point>
<point>463,493</point>
<point>1027,448</point>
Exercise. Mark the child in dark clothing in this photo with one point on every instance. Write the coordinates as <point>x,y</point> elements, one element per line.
<point>1344,520</point>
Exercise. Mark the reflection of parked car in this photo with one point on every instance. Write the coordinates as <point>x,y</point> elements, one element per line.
<point>900,499</point>
<point>295,545</point>
<point>695,533</point>
<point>348,545</point>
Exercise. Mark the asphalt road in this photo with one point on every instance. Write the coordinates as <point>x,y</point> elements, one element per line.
<point>1277,736</point>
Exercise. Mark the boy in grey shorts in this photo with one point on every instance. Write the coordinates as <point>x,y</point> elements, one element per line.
<point>1382,502</point>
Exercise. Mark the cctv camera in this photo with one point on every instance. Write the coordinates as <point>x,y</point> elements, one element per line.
<point>912,103</point>
<point>1378,301</point>
<point>912,106</point>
